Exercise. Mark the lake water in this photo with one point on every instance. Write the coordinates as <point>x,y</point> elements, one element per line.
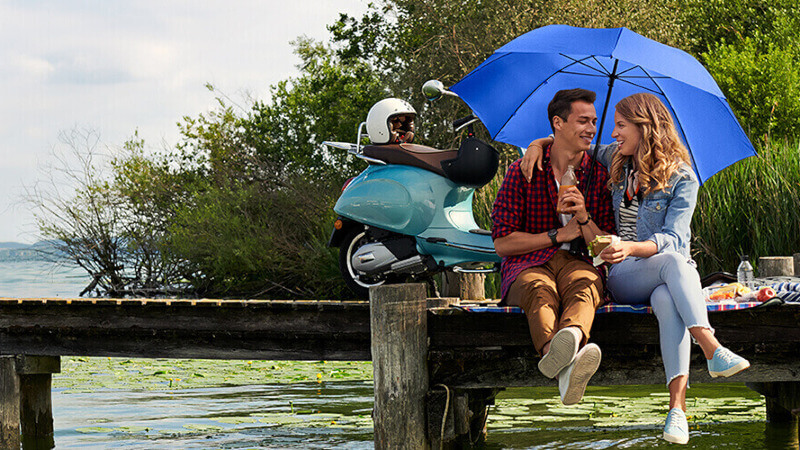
<point>167,404</point>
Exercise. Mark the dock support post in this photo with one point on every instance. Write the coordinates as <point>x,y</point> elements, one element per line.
<point>9,403</point>
<point>399,329</point>
<point>775,266</point>
<point>781,399</point>
<point>36,408</point>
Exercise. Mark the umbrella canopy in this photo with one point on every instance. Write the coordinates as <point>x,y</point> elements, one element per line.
<point>510,91</point>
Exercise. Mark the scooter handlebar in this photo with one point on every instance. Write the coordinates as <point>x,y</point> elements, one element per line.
<point>464,121</point>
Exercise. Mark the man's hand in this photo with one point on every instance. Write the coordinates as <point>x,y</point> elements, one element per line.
<point>616,252</point>
<point>571,201</point>
<point>569,232</point>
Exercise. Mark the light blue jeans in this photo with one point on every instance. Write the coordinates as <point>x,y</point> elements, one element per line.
<point>671,285</point>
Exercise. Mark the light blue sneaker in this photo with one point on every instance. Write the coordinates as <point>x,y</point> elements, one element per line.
<point>726,363</point>
<point>676,430</point>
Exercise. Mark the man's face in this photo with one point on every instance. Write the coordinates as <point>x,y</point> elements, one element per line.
<point>579,128</point>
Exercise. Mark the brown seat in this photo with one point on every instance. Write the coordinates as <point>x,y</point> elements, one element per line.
<point>427,158</point>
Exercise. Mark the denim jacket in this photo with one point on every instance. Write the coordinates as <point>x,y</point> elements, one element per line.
<point>665,216</point>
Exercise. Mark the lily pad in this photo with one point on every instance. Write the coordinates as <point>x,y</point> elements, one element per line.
<point>94,430</point>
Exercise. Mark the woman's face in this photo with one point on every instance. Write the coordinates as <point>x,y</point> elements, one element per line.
<point>627,135</point>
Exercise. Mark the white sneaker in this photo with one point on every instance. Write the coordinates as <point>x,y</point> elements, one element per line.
<point>572,380</point>
<point>563,348</point>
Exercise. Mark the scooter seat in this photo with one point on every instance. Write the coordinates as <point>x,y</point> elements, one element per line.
<point>427,158</point>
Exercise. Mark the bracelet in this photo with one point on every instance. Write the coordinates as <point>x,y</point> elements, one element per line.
<point>588,218</point>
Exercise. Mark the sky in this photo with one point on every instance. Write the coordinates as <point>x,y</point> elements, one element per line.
<point>118,67</point>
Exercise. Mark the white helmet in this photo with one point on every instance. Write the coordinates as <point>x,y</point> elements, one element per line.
<point>378,127</point>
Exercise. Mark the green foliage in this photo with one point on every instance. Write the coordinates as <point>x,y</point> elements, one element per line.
<point>762,86</point>
<point>710,23</point>
<point>327,102</point>
<point>752,207</point>
<point>751,48</point>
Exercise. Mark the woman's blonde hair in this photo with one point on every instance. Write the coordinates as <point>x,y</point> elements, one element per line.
<point>660,152</point>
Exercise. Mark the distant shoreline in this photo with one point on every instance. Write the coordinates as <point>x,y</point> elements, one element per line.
<point>16,251</point>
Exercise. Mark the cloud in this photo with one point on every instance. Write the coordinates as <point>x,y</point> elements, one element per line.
<point>117,67</point>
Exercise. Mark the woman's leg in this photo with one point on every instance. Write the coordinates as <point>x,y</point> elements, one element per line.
<point>633,280</point>
<point>675,345</point>
<point>677,392</point>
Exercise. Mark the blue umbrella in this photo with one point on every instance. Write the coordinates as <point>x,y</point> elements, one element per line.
<point>510,91</point>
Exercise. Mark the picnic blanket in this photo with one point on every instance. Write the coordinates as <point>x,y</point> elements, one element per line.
<point>788,292</point>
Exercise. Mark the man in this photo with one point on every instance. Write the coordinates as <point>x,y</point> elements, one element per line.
<point>558,290</point>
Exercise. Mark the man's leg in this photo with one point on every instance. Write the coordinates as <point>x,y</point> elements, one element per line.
<point>534,291</point>
<point>581,289</point>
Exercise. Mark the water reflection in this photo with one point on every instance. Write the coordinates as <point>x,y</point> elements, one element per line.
<point>337,415</point>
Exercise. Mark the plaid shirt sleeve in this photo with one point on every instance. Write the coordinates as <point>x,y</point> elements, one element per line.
<point>508,212</point>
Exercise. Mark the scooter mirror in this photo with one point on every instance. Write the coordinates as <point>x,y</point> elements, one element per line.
<point>433,90</point>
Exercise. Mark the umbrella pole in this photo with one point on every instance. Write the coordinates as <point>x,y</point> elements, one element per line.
<point>611,78</point>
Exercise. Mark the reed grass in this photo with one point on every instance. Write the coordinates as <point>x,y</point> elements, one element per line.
<point>751,207</point>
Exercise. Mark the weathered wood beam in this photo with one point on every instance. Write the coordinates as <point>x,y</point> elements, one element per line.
<point>36,408</point>
<point>399,355</point>
<point>226,330</point>
<point>489,350</point>
<point>9,403</point>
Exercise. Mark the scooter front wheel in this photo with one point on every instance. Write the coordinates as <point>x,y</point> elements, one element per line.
<point>355,280</point>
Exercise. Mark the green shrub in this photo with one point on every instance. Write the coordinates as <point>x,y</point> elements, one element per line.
<point>752,207</point>
<point>763,87</point>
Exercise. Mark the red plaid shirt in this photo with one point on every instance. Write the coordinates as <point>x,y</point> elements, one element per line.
<point>531,208</point>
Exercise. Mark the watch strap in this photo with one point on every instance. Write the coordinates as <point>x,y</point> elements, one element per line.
<point>553,235</point>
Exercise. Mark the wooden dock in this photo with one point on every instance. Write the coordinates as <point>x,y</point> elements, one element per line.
<point>431,360</point>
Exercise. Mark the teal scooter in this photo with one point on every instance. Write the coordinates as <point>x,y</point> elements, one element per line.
<point>408,215</point>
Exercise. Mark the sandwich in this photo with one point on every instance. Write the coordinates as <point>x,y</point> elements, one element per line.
<point>599,243</point>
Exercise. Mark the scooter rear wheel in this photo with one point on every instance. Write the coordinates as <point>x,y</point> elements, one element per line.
<point>355,280</point>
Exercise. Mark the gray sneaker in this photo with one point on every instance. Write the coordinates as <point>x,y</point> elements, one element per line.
<point>563,348</point>
<point>572,381</point>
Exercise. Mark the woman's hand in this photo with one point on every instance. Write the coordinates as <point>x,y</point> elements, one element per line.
<point>533,157</point>
<point>617,252</point>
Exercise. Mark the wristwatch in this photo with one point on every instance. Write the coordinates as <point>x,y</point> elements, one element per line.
<point>553,234</point>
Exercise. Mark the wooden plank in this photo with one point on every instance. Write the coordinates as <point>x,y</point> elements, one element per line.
<point>467,329</point>
<point>191,344</point>
<point>475,350</point>
<point>262,330</point>
<point>30,365</point>
<point>9,403</point>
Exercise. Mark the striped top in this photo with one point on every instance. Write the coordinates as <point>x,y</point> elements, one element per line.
<point>627,220</point>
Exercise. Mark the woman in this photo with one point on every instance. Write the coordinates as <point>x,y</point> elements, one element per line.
<point>654,193</point>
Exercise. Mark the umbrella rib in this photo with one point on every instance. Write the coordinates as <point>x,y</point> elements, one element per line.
<point>594,57</point>
<point>625,80</point>
<point>581,62</point>
<point>628,70</point>
<point>678,122</point>
<point>599,75</point>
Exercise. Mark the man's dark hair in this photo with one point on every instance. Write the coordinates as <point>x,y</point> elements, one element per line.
<point>561,104</point>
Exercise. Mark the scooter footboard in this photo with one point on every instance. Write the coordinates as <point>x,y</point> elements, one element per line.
<point>455,248</point>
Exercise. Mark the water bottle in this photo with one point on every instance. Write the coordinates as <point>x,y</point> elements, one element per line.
<point>744,274</point>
